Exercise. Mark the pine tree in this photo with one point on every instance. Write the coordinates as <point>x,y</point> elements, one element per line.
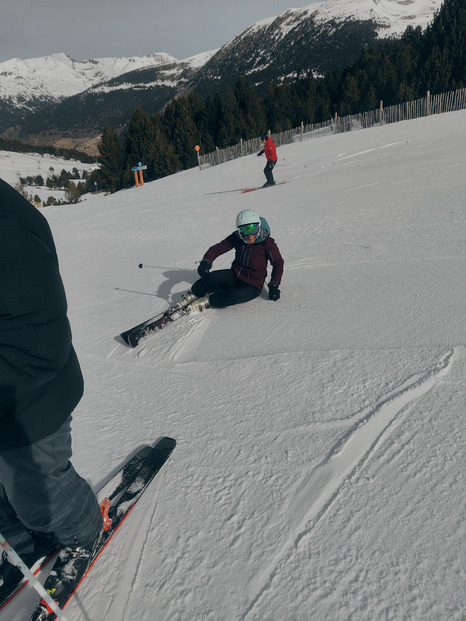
<point>111,160</point>
<point>252,120</point>
<point>181,131</point>
<point>442,49</point>
<point>212,116</point>
<point>350,98</point>
<point>230,125</point>
<point>139,145</point>
<point>164,159</point>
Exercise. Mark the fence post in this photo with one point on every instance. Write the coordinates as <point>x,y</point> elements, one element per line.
<point>428,103</point>
<point>381,112</point>
<point>302,130</point>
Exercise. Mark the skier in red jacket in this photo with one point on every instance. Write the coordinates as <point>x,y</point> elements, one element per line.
<point>243,281</point>
<point>271,154</point>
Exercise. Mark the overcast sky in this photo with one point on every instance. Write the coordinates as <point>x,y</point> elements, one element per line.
<point>98,28</point>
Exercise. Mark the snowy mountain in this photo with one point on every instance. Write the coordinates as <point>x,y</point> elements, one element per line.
<point>319,471</point>
<point>67,96</point>
<point>54,96</point>
<point>390,16</point>
<point>53,78</point>
<point>318,37</point>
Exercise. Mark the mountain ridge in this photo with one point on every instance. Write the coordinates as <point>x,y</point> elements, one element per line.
<point>56,98</point>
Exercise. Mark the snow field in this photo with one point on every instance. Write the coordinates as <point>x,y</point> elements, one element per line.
<point>319,471</point>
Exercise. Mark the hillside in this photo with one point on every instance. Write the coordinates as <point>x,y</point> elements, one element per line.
<point>55,98</point>
<point>61,101</point>
<point>320,37</point>
<point>319,471</point>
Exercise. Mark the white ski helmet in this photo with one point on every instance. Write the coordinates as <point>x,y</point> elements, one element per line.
<point>248,223</point>
<point>247,216</point>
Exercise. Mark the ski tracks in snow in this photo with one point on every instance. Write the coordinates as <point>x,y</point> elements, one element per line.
<point>322,486</point>
<point>182,348</point>
<point>133,537</point>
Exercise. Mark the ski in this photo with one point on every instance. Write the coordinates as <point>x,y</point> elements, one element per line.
<point>134,335</point>
<point>111,488</point>
<point>123,492</point>
<point>8,595</point>
<point>262,187</point>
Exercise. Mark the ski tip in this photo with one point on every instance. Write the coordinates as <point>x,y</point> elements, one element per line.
<point>165,443</point>
<point>130,340</point>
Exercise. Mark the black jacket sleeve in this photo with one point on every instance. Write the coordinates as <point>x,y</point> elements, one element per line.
<point>40,377</point>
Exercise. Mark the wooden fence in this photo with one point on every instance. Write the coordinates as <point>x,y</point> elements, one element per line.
<point>436,104</point>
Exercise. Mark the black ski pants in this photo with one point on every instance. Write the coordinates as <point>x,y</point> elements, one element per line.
<point>268,171</point>
<point>224,288</point>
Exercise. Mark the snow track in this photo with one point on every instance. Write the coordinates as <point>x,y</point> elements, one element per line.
<point>184,349</point>
<point>316,493</point>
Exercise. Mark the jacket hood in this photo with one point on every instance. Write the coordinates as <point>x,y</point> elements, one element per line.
<point>264,231</point>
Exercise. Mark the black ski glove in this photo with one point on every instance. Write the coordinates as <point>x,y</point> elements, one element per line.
<point>204,267</point>
<point>274,291</point>
<point>260,153</point>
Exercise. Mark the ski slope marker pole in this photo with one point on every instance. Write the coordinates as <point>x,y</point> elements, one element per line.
<point>16,560</point>
<point>197,149</point>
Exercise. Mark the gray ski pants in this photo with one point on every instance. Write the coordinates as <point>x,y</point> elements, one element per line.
<point>41,491</point>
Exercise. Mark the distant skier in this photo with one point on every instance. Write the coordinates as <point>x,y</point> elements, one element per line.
<point>40,385</point>
<point>271,154</point>
<point>254,249</point>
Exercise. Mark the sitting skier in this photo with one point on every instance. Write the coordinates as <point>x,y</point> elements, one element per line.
<point>243,282</point>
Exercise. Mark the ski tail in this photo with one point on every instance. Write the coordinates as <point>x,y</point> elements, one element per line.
<point>114,485</point>
<point>118,509</point>
<point>35,569</point>
<point>263,187</point>
<point>134,335</point>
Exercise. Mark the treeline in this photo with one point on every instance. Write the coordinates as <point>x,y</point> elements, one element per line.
<point>69,181</point>
<point>60,182</point>
<point>16,146</point>
<point>394,71</point>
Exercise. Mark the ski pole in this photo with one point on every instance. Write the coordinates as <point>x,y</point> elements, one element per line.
<point>16,560</point>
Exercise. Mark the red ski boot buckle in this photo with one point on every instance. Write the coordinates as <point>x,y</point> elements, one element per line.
<point>104,508</point>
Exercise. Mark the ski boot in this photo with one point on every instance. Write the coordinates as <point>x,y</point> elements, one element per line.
<point>199,305</point>
<point>186,299</point>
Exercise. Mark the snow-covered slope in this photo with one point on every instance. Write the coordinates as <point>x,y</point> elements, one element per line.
<point>392,16</point>
<point>319,472</point>
<point>16,165</point>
